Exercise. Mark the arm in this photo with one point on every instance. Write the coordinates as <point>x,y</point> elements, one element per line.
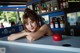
<point>16,35</point>
<point>35,35</point>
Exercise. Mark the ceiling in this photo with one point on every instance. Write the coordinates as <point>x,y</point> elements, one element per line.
<point>6,3</point>
<point>13,2</point>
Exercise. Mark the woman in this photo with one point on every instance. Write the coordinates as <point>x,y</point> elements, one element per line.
<point>33,29</point>
<point>13,23</point>
<point>1,25</point>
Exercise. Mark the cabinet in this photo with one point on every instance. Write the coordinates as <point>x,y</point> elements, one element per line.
<point>51,11</point>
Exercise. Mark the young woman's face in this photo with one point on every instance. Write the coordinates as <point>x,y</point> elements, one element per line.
<point>31,25</point>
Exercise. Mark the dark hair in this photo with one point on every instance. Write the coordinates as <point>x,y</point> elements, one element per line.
<point>28,13</point>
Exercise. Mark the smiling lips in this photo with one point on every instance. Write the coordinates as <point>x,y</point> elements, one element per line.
<point>32,28</point>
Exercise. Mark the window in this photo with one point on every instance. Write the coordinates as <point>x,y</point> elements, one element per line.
<point>6,17</point>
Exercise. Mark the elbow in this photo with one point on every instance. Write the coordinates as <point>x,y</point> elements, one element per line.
<point>31,38</point>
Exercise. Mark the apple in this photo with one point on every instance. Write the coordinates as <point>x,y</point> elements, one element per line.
<point>57,37</point>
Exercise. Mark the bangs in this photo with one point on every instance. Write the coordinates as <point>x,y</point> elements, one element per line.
<point>30,14</point>
<point>26,20</point>
<point>32,17</point>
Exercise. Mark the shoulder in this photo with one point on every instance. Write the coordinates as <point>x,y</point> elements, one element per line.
<point>44,26</point>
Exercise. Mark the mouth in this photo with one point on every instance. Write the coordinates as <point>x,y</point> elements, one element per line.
<point>32,28</point>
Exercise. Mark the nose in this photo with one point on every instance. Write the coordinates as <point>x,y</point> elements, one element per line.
<point>30,25</point>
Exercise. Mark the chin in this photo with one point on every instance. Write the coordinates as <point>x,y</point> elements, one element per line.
<point>32,30</point>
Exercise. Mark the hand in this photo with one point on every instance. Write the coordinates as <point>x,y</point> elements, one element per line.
<point>11,37</point>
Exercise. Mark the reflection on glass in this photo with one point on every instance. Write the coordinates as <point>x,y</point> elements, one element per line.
<point>78,20</point>
<point>46,19</point>
<point>73,18</point>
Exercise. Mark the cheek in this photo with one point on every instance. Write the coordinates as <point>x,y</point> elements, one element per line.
<point>34,25</point>
<point>27,26</point>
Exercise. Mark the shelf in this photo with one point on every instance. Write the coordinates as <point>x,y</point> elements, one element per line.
<point>53,13</point>
<point>57,29</point>
<point>13,8</point>
<point>33,1</point>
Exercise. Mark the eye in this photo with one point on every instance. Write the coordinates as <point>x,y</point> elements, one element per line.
<point>26,24</point>
<point>32,21</point>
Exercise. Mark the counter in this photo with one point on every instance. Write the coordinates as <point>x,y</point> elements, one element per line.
<point>10,30</point>
<point>43,45</point>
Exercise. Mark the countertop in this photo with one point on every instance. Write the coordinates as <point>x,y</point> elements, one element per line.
<point>44,44</point>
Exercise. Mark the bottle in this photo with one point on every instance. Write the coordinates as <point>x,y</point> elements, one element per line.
<point>64,3</point>
<point>51,24</point>
<point>37,9</point>
<point>44,7</point>
<point>58,20</point>
<point>72,32</point>
<point>56,23</point>
<point>40,8</point>
<point>61,23</point>
<point>55,8</point>
<point>61,5</point>
<point>49,7</point>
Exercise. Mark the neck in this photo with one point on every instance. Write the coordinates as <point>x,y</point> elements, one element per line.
<point>37,28</point>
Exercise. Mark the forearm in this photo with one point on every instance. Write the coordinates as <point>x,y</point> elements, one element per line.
<point>16,36</point>
<point>35,35</point>
<point>41,32</point>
